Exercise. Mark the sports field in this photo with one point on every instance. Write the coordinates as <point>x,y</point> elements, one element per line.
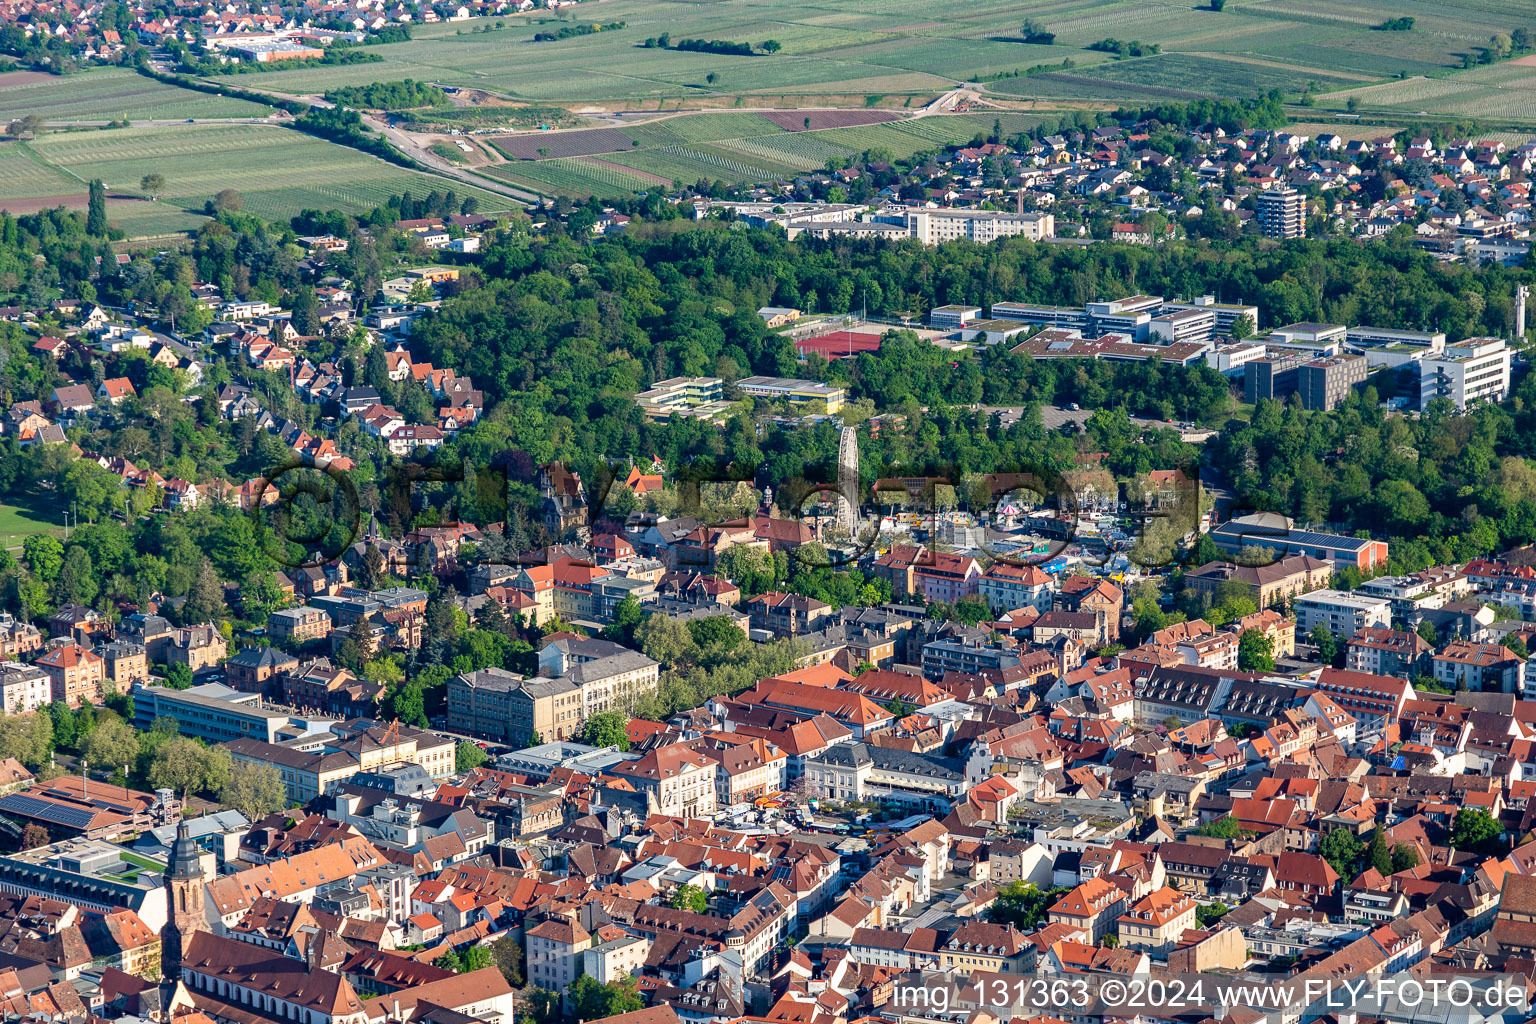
<point>27,516</point>
<point>277,171</point>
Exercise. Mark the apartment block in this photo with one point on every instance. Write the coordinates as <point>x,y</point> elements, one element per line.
<point>1342,613</point>
<point>1281,213</point>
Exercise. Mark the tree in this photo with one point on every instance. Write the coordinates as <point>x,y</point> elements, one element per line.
<point>152,184</point>
<point>372,572</point>
<point>409,704</point>
<point>96,217</point>
<point>206,601</point>
<point>594,1000</point>
<point>1429,634</point>
<point>78,581</point>
<point>1243,327</point>
<point>353,652</point>
<point>185,765</point>
<point>177,676</point>
<point>1022,904</point>
<point>1377,853</point>
<point>607,729</point>
<point>1218,5</point>
<point>31,124</point>
<point>44,554</point>
<point>474,958</point>
<point>665,639</point>
<point>1342,850</point>
<point>715,636</point>
<point>772,46</point>
<point>34,836</point>
<point>1326,643</point>
<point>27,738</point>
<point>1404,857</point>
<point>228,201</point>
<point>690,897</point>
<point>627,616</point>
<point>1255,651</point>
<point>507,954</point>
<point>111,744</point>
<point>1221,828</point>
<point>255,790</point>
<point>306,312</point>
<point>449,961</point>
<point>1477,831</point>
<point>467,757</point>
<point>544,1005</point>
<point>1208,914</point>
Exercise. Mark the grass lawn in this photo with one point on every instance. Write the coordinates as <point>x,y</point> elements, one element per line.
<point>24,514</point>
<point>143,862</point>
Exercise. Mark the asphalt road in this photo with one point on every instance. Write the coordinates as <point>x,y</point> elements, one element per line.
<point>1054,416</point>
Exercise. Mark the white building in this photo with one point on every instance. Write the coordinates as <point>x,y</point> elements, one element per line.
<point>1230,359</point>
<point>1470,371</point>
<point>23,688</point>
<point>1343,614</point>
<point>932,227</point>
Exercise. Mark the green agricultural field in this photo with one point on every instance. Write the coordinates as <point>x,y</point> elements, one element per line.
<point>276,170</point>
<point>1502,92</point>
<point>1224,76</point>
<point>23,175</point>
<point>886,50</point>
<point>108,93</point>
<point>573,176</point>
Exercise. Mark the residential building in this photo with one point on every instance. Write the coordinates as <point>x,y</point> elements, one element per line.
<point>258,669</point>
<point>1387,652</point>
<point>935,227</point>
<point>674,780</point>
<point>983,946</point>
<point>24,688</point>
<point>75,674</point>
<point>124,663</point>
<point>1012,587</point>
<point>787,614</point>
<point>1374,700</point>
<point>860,771</point>
<point>1489,667</point>
<point>555,946</point>
<point>299,625</point>
<point>1157,921</point>
<point>1342,613</point>
<point>1091,910</point>
<point>1281,213</point>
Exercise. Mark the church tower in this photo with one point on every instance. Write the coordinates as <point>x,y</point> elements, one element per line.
<point>185,882</point>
